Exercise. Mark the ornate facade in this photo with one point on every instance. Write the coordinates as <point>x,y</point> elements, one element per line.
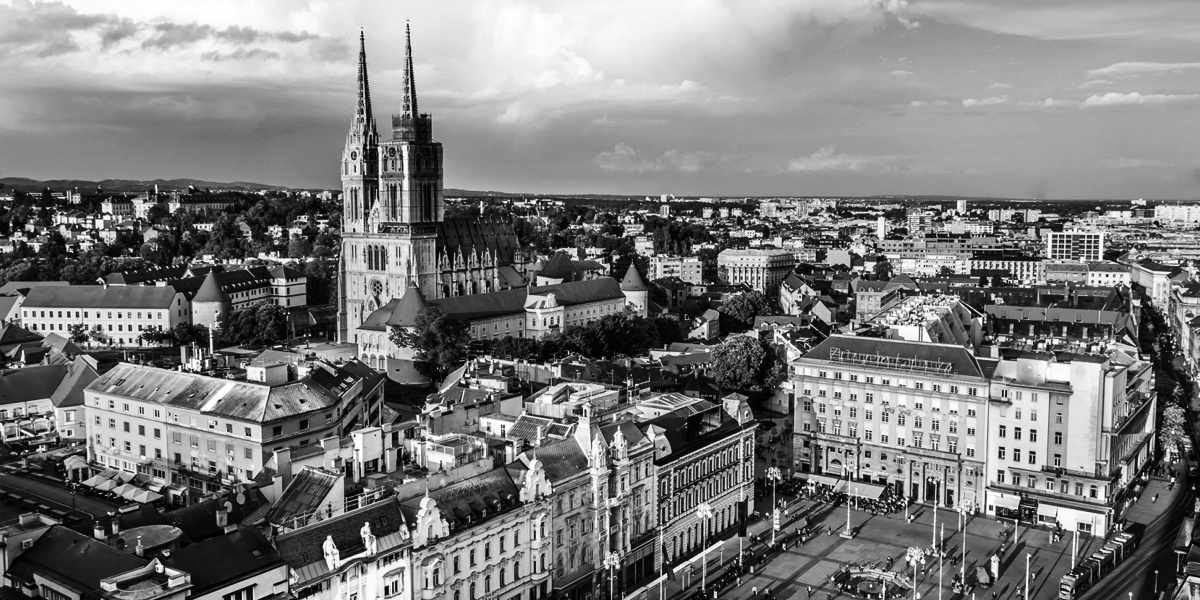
<point>394,228</point>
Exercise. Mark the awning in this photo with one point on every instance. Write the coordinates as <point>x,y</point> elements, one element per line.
<point>870,491</point>
<point>1046,510</point>
<point>824,480</point>
<point>125,476</point>
<point>106,485</point>
<point>94,481</point>
<point>74,463</point>
<point>145,497</point>
<point>156,487</point>
<point>1011,502</point>
<point>125,490</point>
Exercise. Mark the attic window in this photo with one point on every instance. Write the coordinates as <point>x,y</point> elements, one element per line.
<point>256,553</point>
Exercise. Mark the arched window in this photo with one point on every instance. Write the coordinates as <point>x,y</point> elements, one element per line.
<point>472,592</point>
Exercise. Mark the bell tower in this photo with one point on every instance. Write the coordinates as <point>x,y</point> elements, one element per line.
<point>411,165</point>
<point>360,173</point>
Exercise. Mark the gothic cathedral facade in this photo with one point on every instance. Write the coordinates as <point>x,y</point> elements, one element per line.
<point>394,228</point>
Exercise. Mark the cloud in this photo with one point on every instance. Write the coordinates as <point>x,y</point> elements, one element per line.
<point>920,103</point>
<point>1044,19</point>
<point>991,101</point>
<point>901,73</point>
<point>999,86</point>
<point>1136,98</point>
<point>625,158</point>
<point>1133,163</point>
<point>1095,83</point>
<point>827,159</point>
<point>172,35</point>
<point>241,54</point>
<point>1139,68</point>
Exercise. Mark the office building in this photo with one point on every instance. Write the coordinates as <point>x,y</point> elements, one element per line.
<point>761,270</point>
<point>907,415</point>
<point>120,313</point>
<point>1075,245</point>
<point>687,268</point>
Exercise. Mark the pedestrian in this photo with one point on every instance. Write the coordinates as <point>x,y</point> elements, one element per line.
<point>754,591</point>
<point>810,591</point>
<point>739,579</point>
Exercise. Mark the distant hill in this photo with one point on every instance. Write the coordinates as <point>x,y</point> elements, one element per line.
<point>23,184</point>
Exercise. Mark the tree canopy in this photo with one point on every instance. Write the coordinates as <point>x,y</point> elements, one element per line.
<point>741,309</point>
<point>440,342</point>
<point>259,325</point>
<point>747,364</point>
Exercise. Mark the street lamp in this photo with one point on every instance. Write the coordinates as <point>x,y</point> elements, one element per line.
<point>705,512</point>
<point>774,475</point>
<point>1027,557</point>
<point>612,562</point>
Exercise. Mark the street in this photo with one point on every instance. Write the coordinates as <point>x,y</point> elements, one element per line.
<point>54,495</point>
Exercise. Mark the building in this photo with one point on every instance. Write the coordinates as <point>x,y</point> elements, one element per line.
<point>1177,213</point>
<point>761,270</point>
<point>702,458</point>
<point>281,285</point>
<point>484,536</point>
<point>1025,270</point>
<point>394,228</point>
<point>1068,436</point>
<point>687,268</point>
<point>907,415</point>
<point>937,318</point>
<point>194,434</point>
<point>1108,274</point>
<point>961,207</point>
<point>1075,245</point>
<point>874,297</point>
<point>1066,272</point>
<point>120,313</point>
<point>1156,279</point>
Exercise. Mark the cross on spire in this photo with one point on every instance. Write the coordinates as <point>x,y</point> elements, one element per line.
<point>364,118</point>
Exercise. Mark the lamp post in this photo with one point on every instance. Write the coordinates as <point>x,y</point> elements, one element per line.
<point>705,512</point>
<point>1156,581</point>
<point>774,475</point>
<point>1027,557</point>
<point>612,562</point>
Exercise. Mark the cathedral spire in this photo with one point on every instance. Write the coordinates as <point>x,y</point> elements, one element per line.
<point>364,119</point>
<point>409,106</point>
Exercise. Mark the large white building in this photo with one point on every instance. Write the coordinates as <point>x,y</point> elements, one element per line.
<point>192,434</point>
<point>687,268</point>
<point>1176,213</point>
<point>1067,437</point>
<point>122,313</point>
<point>762,270</point>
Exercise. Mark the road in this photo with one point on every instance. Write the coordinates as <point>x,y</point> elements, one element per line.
<point>1135,578</point>
<point>55,496</point>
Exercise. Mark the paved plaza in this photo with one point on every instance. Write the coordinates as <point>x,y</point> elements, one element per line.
<point>790,574</point>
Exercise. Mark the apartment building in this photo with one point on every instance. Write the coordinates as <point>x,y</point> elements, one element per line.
<point>761,270</point>
<point>687,268</point>
<point>1177,213</point>
<point>122,313</point>
<point>1156,279</point>
<point>937,318</point>
<point>1066,271</point>
<point>1068,436</point>
<point>1021,269</point>
<point>1108,274</point>
<point>1075,245</point>
<point>193,434</point>
<point>907,415</point>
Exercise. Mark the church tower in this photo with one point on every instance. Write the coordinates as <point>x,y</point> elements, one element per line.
<point>392,204</point>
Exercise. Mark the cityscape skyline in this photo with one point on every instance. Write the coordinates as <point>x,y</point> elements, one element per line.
<point>1069,99</point>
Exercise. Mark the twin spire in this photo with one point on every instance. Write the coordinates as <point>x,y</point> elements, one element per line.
<point>408,105</point>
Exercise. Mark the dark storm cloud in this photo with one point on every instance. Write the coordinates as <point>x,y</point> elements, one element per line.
<point>240,54</point>
<point>117,31</point>
<point>45,28</point>
<point>171,35</point>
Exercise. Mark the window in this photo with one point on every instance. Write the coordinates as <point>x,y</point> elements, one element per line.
<point>1000,476</point>
<point>1016,455</point>
<point>1016,433</point>
<point>869,397</point>
<point>937,387</point>
<point>900,419</point>
<point>954,389</point>
<point>918,422</point>
<point>247,432</point>
<point>1004,431</point>
<point>870,415</point>
<point>1033,435</point>
<point>1057,438</point>
<point>249,454</point>
<point>1018,414</point>
<point>883,438</point>
<point>1058,460</point>
<point>919,385</point>
<point>1058,418</point>
<point>970,412</point>
<point>246,593</point>
<point>157,433</point>
<point>277,431</point>
<point>1033,415</point>
<point>1031,481</point>
<point>883,416</point>
<point>141,430</point>
<point>1000,452</point>
<point>972,391</point>
<point>303,424</point>
<point>970,452</point>
<point>1032,457</point>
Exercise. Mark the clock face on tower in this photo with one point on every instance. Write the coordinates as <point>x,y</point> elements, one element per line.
<point>392,151</point>
<point>353,155</point>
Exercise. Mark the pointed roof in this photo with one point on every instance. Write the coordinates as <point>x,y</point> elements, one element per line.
<point>408,106</point>
<point>559,267</point>
<point>411,304</point>
<point>210,290</point>
<point>633,281</point>
<point>363,122</point>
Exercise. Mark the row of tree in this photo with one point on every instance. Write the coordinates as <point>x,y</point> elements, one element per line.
<point>182,334</point>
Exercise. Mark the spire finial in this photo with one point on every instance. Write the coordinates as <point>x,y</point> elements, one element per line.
<point>409,106</point>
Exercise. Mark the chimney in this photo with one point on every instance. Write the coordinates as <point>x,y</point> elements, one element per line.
<point>283,464</point>
<point>140,550</point>
<point>222,517</point>
<point>116,526</point>
<point>98,530</point>
<point>541,436</point>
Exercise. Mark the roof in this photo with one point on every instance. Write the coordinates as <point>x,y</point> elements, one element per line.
<point>508,302</point>
<point>560,266</point>
<point>93,296</point>
<point>303,546</point>
<point>225,559</point>
<point>30,383</point>
<point>410,305</point>
<point>959,360</point>
<point>303,495</point>
<point>80,373</point>
<point>75,558</point>
<point>199,521</point>
<point>210,290</point>
<point>469,502</point>
<point>15,287</point>
<point>15,334</point>
<point>633,280</point>
<point>241,400</point>
<point>561,460</point>
<point>463,237</point>
<point>6,305</point>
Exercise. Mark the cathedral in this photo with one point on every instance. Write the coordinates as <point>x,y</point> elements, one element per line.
<point>394,229</point>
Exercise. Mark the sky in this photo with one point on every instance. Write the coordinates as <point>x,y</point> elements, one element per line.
<point>1009,98</point>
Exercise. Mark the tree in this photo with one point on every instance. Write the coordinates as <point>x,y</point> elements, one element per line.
<point>983,281</point>
<point>747,364</point>
<point>945,271</point>
<point>742,308</point>
<point>156,335</point>
<point>186,333</point>
<point>997,281</point>
<point>257,325</point>
<point>883,270</point>
<point>299,247</point>
<point>78,333</point>
<point>1171,433</point>
<point>439,342</point>
<point>98,334</point>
